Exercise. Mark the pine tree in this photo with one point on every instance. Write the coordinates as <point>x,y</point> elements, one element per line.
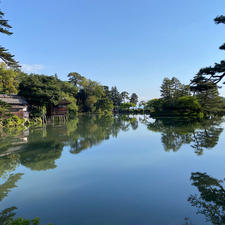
<point>207,94</point>
<point>172,89</point>
<point>217,72</point>
<point>5,56</point>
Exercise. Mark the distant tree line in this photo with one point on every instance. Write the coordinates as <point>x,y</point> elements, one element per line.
<point>85,95</point>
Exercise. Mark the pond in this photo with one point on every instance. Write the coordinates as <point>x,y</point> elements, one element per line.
<point>122,170</point>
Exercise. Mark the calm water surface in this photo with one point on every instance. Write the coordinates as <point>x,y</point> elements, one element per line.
<point>115,171</point>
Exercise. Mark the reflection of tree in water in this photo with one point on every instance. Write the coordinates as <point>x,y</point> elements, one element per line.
<point>7,182</point>
<point>7,214</point>
<point>173,136</point>
<point>207,136</point>
<point>202,135</point>
<point>43,148</point>
<point>134,124</point>
<point>45,145</point>
<point>211,201</point>
<point>10,183</point>
<point>92,130</point>
<point>8,164</point>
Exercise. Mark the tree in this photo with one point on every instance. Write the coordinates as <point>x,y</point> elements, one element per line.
<point>76,79</point>
<point>69,92</point>
<point>107,91</point>
<point>207,94</point>
<point>166,89</point>
<point>8,80</point>
<point>172,89</point>
<point>124,96</point>
<point>40,90</point>
<point>126,106</point>
<point>93,92</point>
<point>218,20</point>
<point>154,105</point>
<point>115,96</point>
<point>90,93</point>
<point>217,72</point>
<point>134,99</point>
<point>104,105</point>
<point>5,56</point>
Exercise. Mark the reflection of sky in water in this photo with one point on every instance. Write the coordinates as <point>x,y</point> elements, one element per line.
<point>125,180</point>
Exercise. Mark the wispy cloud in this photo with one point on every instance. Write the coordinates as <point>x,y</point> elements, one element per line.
<point>32,68</point>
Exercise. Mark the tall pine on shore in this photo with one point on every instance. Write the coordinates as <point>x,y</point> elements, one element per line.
<point>5,56</point>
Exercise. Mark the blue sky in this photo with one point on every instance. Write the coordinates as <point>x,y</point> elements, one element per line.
<point>132,44</point>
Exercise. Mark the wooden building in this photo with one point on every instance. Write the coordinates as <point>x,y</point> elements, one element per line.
<point>61,109</point>
<point>19,106</point>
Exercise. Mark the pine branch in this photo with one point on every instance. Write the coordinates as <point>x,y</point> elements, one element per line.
<point>220,19</point>
<point>222,47</point>
<point>6,57</point>
<point>4,26</point>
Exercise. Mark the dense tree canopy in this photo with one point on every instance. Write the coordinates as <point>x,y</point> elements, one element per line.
<point>177,99</point>
<point>40,90</point>
<point>9,79</point>
<point>43,91</point>
<point>76,79</point>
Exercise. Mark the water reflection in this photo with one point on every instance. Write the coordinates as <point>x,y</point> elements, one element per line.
<point>211,199</point>
<point>8,181</point>
<point>39,148</point>
<point>175,133</point>
<point>9,184</point>
<point>7,214</point>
